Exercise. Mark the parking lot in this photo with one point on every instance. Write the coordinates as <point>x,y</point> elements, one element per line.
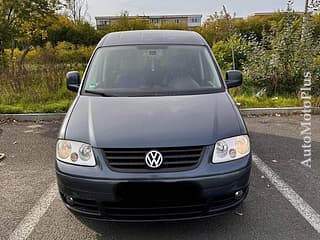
<point>283,203</point>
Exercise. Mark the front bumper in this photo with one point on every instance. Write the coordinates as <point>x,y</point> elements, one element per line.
<point>153,199</point>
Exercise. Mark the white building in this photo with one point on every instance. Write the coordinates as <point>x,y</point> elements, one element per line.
<point>183,20</point>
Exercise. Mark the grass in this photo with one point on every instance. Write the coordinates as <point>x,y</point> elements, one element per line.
<point>62,105</point>
<point>36,100</point>
<point>263,102</point>
<point>253,102</point>
<point>40,89</point>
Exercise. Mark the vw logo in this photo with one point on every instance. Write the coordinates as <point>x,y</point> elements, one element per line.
<point>154,159</point>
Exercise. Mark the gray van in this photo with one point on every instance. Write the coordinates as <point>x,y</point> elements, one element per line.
<point>153,134</point>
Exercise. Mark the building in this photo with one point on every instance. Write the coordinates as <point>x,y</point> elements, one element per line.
<point>183,20</point>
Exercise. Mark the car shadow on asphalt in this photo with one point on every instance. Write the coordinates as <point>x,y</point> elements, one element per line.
<point>188,229</point>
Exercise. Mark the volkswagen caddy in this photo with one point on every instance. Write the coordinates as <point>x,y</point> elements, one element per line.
<point>153,134</point>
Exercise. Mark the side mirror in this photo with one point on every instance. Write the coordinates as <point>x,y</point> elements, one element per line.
<point>73,81</point>
<point>234,78</point>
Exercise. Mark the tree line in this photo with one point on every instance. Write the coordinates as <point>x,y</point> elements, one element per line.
<point>29,23</point>
<point>273,50</point>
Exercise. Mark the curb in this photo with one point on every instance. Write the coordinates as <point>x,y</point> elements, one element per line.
<point>273,111</point>
<point>34,117</point>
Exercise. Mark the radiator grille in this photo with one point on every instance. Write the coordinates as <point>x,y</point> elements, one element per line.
<point>178,158</point>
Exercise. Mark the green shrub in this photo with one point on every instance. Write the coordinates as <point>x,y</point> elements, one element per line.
<point>63,52</point>
<point>69,53</point>
<point>223,53</point>
<point>280,61</point>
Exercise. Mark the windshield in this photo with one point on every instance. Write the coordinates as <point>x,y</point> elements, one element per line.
<point>148,70</point>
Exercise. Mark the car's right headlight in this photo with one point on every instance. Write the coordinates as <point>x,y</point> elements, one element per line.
<point>76,153</point>
<point>230,149</point>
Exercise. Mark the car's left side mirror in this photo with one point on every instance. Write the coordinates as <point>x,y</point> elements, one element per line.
<point>73,81</point>
<point>234,78</point>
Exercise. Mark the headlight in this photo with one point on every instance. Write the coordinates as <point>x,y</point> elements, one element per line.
<point>231,149</point>
<point>75,153</point>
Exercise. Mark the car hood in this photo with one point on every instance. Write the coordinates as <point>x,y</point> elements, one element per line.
<point>133,122</point>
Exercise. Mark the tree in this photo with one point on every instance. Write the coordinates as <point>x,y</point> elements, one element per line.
<point>315,22</point>
<point>24,22</point>
<point>314,4</point>
<point>256,25</point>
<point>216,28</point>
<point>224,53</point>
<point>64,29</point>
<point>77,10</point>
<point>280,62</point>
<point>126,23</point>
<point>310,6</point>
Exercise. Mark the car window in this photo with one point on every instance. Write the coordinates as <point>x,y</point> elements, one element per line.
<point>152,70</point>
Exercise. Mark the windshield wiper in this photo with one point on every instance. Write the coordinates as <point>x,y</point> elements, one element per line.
<point>100,93</point>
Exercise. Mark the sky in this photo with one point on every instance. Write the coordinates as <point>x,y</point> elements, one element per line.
<point>242,8</point>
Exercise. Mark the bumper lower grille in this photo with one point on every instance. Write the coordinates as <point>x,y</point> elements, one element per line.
<point>133,159</point>
<point>121,212</point>
<point>146,211</point>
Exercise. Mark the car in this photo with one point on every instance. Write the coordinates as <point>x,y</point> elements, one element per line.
<point>153,133</point>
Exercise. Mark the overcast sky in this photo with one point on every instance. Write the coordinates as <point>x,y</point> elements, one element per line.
<point>242,8</point>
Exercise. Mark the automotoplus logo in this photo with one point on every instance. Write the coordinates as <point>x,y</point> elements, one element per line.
<point>306,132</point>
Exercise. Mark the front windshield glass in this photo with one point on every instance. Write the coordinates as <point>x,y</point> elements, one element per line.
<point>149,70</point>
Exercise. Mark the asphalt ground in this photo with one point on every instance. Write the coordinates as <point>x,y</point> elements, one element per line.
<point>30,207</point>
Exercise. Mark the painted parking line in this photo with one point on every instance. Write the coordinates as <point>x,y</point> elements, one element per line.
<point>32,218</point>
<point>305,210</point>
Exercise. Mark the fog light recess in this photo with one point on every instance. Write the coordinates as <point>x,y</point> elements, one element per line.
<point>238,195</point>
<point>69,200</point>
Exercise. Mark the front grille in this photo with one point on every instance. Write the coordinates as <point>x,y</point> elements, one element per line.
<point>133,159</point>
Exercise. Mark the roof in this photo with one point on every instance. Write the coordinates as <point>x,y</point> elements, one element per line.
<point>117,17</point>
<point>175,16</point>
<point>152,37</point>
<point>151,16</point>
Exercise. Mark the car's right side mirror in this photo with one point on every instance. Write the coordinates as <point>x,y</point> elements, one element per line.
<point>234,78</point>
<point>73,81</point>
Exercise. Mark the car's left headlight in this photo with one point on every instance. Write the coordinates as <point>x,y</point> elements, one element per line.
<point>76,153</point>
<point>231,149</point>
